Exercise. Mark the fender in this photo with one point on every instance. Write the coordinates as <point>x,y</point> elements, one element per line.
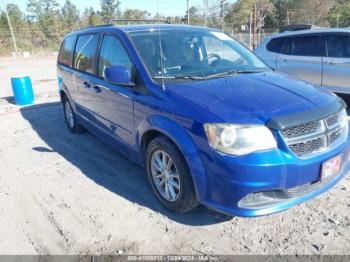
<point>180,136</point>
<point>64,90</point>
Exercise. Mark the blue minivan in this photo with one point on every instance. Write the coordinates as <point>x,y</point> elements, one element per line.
<point>209,121</point>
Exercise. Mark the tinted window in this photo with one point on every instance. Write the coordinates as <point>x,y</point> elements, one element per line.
<point>276,45</point>
<point>66,53</point>
<point>112,53</point>
<point>307,46</point>
<point>288,46</point>
<point>338,46</point>
<point>84,53</point>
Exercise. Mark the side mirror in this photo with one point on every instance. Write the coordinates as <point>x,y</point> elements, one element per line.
<point>118,75</point>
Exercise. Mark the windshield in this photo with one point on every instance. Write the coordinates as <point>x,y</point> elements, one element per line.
<point>193,54</point>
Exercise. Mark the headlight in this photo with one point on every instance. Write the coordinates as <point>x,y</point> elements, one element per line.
<point>239,139</point>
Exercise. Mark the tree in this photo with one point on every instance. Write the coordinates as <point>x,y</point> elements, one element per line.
<point>70,16</point>
<point>110,9</point>
<point>46,14</point>
<point>136,14</point>
<point>195,17</point>
<point>339,15</point>
<point>240,12</point>
<point>17,19</point>
<point>311,11</point>
<point>90,17</point>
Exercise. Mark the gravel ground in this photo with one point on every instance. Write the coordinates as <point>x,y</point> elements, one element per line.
<point>71,194</point>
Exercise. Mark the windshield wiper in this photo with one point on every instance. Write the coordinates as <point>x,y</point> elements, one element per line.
<point>235,72</point>
<point>181,77</point>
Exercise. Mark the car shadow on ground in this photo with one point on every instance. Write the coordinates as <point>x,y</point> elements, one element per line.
<point>104,165</point>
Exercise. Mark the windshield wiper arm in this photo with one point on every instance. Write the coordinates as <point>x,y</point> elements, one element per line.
<point>181,77</point>
<point>235,72</point>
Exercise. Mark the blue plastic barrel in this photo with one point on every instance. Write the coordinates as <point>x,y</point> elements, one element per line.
<point>22,90</point>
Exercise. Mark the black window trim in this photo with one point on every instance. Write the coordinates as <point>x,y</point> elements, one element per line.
<point>94,60</point>
<point>283,38</point>
<point>72,56</point>
<point>292,37</point>
<point>99,52</point>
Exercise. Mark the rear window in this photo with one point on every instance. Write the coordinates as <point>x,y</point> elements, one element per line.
<point>66,52</point>
<point>84,55</point>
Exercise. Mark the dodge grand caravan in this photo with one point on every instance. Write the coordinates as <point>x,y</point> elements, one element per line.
<point>209,121</point>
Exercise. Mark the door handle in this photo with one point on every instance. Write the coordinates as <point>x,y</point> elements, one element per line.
<point>282,59</point>
<point>86,85</point>
<point>97,89</point>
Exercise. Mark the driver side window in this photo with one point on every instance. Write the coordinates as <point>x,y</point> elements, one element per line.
<point>112,53</point>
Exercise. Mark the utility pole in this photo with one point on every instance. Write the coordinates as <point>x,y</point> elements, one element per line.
<point>250,31</point>
<point>288,18</point>
<point>10,26</point>
<point>254,27</point>
<point>188,12</point>
<point>205,3</point>
<point>338,17</point>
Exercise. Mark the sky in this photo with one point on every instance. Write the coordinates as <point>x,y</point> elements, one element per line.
<point>166,7</point>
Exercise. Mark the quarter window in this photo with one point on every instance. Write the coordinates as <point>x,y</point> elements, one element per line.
<point>338,46</point>
<point>66,52</point>
<point>112,53</point>
<point>276,45</point>
<point>85,52</point>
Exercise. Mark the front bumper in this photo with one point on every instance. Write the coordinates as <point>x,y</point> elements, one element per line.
<point>231,179</point>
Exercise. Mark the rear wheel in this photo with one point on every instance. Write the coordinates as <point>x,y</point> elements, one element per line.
<point>169,176</point>
<point>70,118</point>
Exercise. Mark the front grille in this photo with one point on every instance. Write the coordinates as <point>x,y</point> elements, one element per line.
<point>308,147</point>
<point>316,136</point>
<point>305,129</point>
<point>333,119</point>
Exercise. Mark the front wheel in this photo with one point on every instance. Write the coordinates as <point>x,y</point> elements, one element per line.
<point>169,176</point>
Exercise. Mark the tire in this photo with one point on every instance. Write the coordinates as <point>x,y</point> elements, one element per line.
<point>176,173</point>
<point>70,118</point>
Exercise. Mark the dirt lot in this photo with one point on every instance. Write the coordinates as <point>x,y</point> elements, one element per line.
<point>71,194</point>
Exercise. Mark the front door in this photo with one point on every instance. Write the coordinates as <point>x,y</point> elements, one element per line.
<point>336,65</point>
<point>113,105</point>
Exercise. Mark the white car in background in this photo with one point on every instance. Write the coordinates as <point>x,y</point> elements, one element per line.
<point>318,56</point>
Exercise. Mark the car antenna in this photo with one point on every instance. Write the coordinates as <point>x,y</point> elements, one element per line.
<point>160,50</point>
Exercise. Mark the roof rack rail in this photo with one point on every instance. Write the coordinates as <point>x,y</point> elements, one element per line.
<point>141,20</point>
<point>93,26</point>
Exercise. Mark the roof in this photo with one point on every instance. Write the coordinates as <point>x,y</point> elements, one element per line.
<point>312,31</point>
<point>142,27</point>
<point>297,27</point>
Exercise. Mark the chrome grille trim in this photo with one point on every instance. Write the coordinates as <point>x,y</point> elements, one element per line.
<point>315,137</point>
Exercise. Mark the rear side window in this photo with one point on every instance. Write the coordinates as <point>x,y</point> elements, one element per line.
<point>112,53</point>
<point>338,46</point>
<point>307,46</point>
<point>84,54</point>
<point>66,52</point>
<point>276,45</point>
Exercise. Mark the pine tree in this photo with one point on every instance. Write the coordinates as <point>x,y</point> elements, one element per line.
<point>70,16</point>
<point>110,9</point>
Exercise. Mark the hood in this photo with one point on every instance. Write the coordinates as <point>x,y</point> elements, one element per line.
<point>251,98</point>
